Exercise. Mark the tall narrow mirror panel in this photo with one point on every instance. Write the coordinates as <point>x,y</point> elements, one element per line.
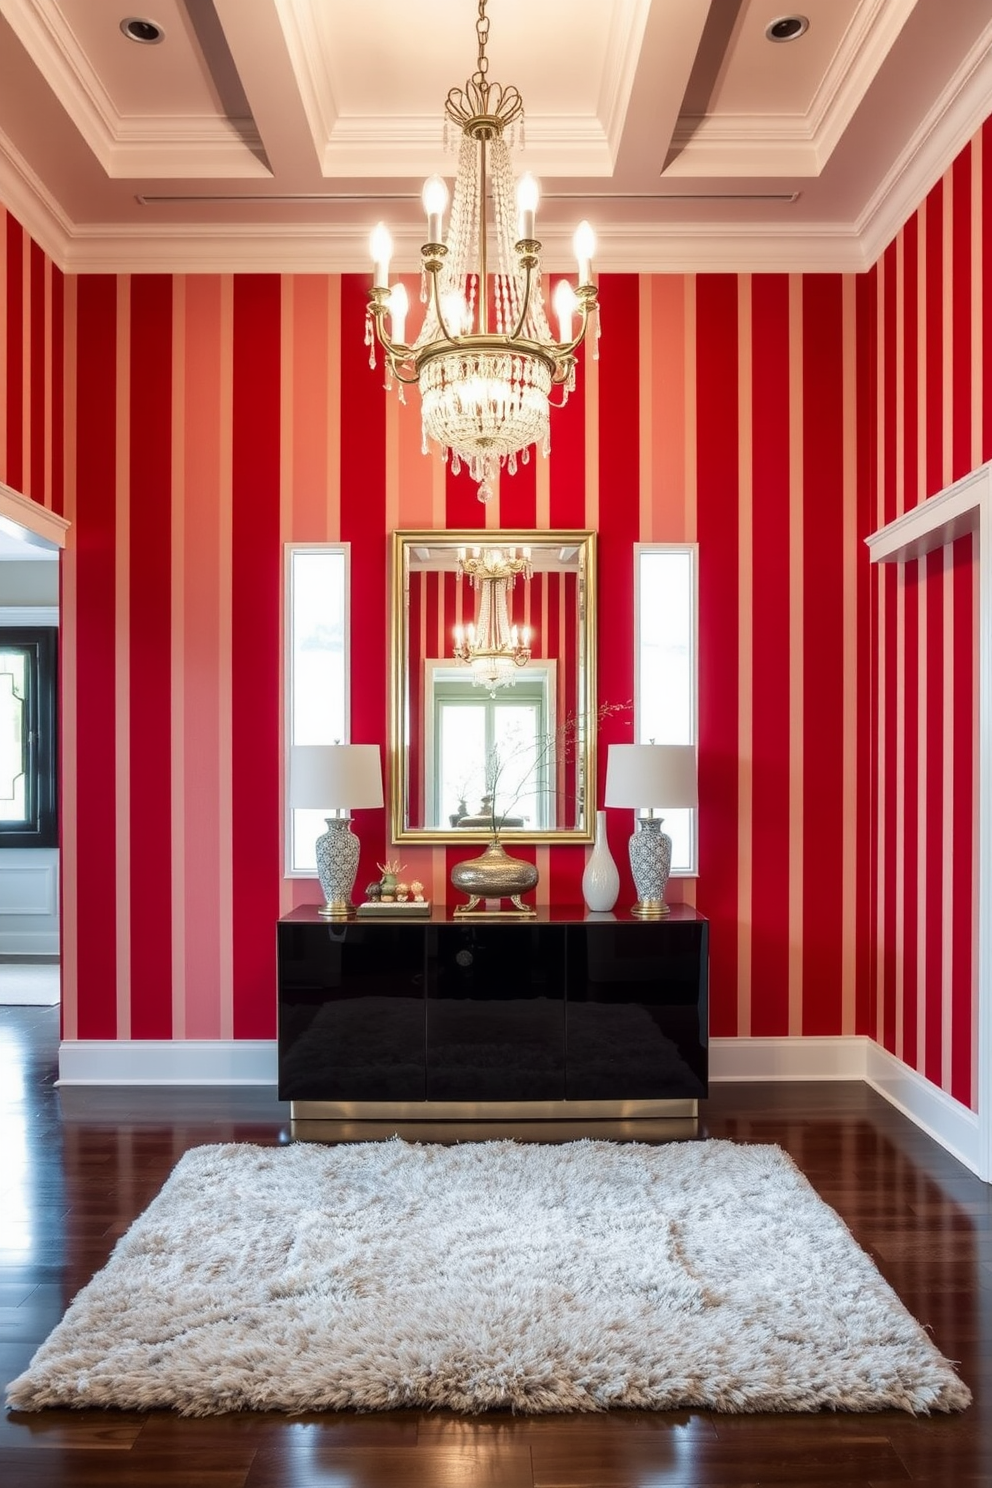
<point>665,691</point>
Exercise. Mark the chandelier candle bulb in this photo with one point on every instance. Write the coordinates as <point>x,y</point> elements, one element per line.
<point>584,246</point>
<point>435,200</point>
<point>381,247</point>
<point>528,196</point>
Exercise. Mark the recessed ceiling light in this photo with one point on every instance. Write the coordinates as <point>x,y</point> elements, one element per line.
<point>787,28</point>
<point>136,29</point>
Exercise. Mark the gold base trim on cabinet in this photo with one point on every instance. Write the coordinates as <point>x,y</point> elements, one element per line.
<point>523,1110</point>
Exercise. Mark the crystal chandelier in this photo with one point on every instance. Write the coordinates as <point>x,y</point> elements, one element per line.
<point>485,359</point>
<point>492,647</point>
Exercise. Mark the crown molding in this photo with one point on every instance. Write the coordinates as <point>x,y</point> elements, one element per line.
<point>197,146</point>
<point>26,197</point>
<point>336,249</point>
<point>955,118</point>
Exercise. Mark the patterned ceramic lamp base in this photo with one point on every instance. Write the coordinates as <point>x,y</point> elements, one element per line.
<point>337,865</point>
<point>650,863</point>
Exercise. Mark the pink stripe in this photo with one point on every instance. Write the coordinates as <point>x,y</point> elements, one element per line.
<point>177,709</point>
<point>745,642</point>
<point>333,414</point>
<point>122,576</point>
<point>796,658</point>
<point>306,423</point>
<point>206,698</point>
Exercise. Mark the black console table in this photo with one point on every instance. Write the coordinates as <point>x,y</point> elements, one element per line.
<point>568,1014</point>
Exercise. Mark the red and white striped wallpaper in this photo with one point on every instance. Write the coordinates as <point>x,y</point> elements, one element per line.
<point>203,421</point>
<point>932,352</point>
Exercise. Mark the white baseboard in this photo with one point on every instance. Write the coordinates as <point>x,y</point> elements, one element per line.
<point>787,1058</point>
<point>29,942</point>
<point>167,1062</point>
<point>953,1125</point>
<point>253,1062</point>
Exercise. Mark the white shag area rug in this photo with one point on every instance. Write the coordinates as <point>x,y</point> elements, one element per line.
<point>577,1277</point>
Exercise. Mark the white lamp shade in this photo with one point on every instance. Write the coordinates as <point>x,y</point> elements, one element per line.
<point>331,776</point>
<point>651,775</point>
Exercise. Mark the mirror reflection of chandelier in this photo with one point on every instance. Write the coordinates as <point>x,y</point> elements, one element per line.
<point>493,647</point>
<point>485,393</point>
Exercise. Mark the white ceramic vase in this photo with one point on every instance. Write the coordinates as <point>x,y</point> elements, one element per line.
<point>600,880</point>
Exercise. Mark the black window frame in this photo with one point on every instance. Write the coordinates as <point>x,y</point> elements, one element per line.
<point>39,826</point>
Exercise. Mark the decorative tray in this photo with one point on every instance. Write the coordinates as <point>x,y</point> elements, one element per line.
<point>372,907</point>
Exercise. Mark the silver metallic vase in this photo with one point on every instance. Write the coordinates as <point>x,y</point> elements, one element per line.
<point>494,875</point>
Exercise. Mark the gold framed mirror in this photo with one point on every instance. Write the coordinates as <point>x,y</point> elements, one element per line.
<point>493,686</point>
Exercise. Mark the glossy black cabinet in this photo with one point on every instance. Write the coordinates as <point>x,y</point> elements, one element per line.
<point>565,1008</point>
<point>495,1012</point>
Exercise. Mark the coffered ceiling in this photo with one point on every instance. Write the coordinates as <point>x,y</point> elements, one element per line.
<point>273,134</point>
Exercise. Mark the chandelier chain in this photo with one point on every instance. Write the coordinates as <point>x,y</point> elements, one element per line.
<point>485,394</point>
<point>482,31</point>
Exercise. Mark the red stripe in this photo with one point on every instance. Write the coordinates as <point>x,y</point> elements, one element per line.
<point>463,509</point>
<point>934,371</point>
<point>823,651</point>
<point>619,475</point>
<point>363,524</point>
<point>770,701</point>
<point>891,805</point>
<point>96,762</point>
<point>255,629</point>
<point>912,908</point>
<point>961,315</point>
<point>936,929</point>
<point>867,691</point>
<point>14,391</point>
<point>719,684</point>
<point>986,322</point>
<point>150,655</point>
<point>567,500</point>
<point>58,393</point>
<point>961,928</point>
<point>518,493</point>
<point>911,359</point>
<point>887,433</point>
<point>36,478</point>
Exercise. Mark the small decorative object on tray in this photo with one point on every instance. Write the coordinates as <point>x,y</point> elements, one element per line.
<point>388,895</point>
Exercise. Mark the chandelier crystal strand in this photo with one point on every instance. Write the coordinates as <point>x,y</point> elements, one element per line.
<point>485,393</point>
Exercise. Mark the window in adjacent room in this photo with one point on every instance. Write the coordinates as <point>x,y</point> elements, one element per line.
<point>477,736</point>
<point>665,690</point>
<point>27,737</point>
<point>316,673</point>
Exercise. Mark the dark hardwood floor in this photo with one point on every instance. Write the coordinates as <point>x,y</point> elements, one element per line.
<point>77,1166</point>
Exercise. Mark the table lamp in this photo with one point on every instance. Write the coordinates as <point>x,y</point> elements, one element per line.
<point>336,777</point>
<point>649,775</point>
